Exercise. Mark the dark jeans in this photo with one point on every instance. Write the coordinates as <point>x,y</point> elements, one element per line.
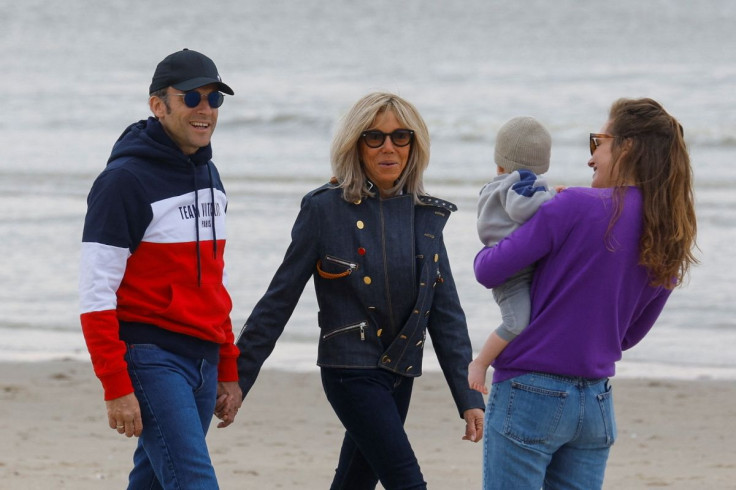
<point>372,405</point>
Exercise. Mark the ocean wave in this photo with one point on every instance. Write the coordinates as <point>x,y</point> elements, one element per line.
<point>565,135</point>
<point>291,356</point>
<point>276,120</point>
<point>448,129</point>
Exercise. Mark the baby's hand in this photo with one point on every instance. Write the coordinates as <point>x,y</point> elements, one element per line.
<point>560,188</point>
<point>477,377</point>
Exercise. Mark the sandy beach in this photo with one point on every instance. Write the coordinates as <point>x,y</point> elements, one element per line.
<point>672,434</point>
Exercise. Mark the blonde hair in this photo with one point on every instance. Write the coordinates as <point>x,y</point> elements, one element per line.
<point>649,152</point>
<point>345,152</point>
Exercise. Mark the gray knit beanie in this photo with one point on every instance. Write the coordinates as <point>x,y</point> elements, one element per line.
<point>523,143</point>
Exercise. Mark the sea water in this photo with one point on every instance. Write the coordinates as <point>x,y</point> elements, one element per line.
<point>76,73</point>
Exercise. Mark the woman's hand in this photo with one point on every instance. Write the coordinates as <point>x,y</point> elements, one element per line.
<point>473,424</point>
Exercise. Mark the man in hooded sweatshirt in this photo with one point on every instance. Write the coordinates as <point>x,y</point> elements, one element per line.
<point>155,312</point>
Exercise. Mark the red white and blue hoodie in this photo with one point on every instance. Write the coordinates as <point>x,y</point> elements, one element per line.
<point>152,268</point>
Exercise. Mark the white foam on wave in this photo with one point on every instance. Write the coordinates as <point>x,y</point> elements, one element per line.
<point>48,345</point>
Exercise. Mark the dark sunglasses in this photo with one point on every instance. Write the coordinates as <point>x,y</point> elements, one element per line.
<point>193,98</point>
<point>375,138</point>
<point>594,143</point>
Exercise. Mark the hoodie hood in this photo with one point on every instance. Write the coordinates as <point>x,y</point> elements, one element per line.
<point>147,139</point>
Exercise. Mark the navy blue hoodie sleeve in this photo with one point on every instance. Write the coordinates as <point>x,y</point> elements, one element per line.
<point>118,211</point>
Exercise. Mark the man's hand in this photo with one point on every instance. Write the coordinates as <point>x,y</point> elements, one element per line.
<point>473,425</point>
<point>124,415</point>
<point>229,400</point>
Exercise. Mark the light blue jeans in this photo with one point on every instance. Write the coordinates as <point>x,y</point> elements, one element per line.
<point>177,397</point>
<point>548,431</point>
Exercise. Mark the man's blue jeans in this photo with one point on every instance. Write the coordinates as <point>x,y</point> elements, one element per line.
<point>372,405</point>
<point>177,397</point>
<point>548,431</point>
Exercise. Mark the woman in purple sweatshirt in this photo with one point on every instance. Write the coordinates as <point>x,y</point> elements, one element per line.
<point>607,259</point>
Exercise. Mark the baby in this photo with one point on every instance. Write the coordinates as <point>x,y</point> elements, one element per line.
<point>523,147</point>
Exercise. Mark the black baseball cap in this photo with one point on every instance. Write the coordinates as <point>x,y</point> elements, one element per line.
<point>186,70</point>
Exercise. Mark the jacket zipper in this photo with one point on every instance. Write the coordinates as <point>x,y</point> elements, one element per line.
<point>360,325</point>
<point>351,265</point>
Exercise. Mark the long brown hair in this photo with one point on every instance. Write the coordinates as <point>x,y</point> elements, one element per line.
<point>649,152</point>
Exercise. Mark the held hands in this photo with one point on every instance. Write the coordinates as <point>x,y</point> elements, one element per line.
<point>473,425</point>
<point>124,415</point>
<point>229,400</point>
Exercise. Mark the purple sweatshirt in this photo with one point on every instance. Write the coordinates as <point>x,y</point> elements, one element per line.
<point>590,298</point>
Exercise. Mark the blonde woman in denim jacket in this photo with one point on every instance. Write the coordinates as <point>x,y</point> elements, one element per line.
<point>372,241</point>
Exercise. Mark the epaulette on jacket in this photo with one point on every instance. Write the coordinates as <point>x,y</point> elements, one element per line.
<point>441,203</point>
<point>325,187</point>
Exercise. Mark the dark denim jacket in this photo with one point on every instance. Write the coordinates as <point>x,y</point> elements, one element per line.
<point>382,280</point>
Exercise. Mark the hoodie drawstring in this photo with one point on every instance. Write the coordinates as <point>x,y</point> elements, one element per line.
<point>213,217</point>
<point>196,224</point>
